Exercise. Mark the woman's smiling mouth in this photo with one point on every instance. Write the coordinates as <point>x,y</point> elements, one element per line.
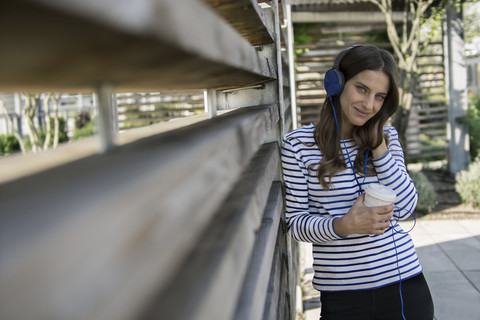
<point>361,113</point>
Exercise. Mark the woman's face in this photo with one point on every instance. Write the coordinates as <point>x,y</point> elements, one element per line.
<point>361,99</point>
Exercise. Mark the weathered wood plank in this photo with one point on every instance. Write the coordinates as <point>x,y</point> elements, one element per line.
<point>25,165</point>
<point>252,299</point>
<point>274,285</point>
<point>247,18</point>
<point>158,111</point>
<point>134,46</point>
<point>429,117</point>
<point>214,273</point>
<point>93,239</point>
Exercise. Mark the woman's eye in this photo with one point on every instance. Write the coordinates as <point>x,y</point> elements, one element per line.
<point>380,98</point>
<point>361,89</point>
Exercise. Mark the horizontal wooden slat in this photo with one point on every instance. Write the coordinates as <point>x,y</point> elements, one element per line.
<point>147,120</point>
<point>429,117</point>
<point>428,87</point>
<point>247,17</point>
<point>126,105</point>
<point>254,292</point>
<point>93,239</point>
<point>24,165</point>
<point>435,124</point>
<point>159,111</point>
<point>311,96</point>
<point>311,113</point>
<point>430,79</point>
<point>431,64</point>
<point>433,109</point>
<point>310,102</point>
<point>310,105</point>
<point>431,92</point>
<point>134,46</point>
<point>440,132</point>
<point>282,304</point>
<point>315,79</point>
<point>428,149</point>
<point>429,102</point>
<point>274,282</point>
<point>423,155</point>
<point>214,273</point>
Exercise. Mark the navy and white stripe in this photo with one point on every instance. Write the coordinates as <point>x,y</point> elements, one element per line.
<point>357,261</point>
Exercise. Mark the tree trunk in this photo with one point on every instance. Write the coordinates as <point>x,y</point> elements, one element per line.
<point>48,124</point>
<point>407,82</point>
<point>55,119</point>
<point>29,113</point>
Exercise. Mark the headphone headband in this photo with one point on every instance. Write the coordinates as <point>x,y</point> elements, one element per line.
<point>338,59</point>
<point>334,79</point>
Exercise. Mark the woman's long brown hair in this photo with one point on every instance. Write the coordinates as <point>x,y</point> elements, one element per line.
<point>327,138</point>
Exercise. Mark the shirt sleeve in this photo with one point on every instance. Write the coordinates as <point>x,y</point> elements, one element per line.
<point>302,225</point>
<point>392,172</point>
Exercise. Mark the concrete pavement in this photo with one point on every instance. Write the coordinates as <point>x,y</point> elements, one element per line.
<point>449,251</point>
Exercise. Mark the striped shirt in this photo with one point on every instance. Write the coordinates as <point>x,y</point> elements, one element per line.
<point>358,261</point>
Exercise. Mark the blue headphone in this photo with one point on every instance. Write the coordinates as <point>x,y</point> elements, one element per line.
<point>334,79</point>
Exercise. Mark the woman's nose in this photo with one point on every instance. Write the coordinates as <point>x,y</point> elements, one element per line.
<point>369,101</point>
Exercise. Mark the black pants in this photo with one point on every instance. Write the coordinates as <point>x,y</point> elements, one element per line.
<point>380,304</point>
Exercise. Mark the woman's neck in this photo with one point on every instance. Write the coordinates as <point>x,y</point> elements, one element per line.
<point>347,133</point>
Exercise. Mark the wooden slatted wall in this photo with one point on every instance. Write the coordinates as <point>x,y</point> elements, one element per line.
<point>144,108</point>
<point>427,126</point>
<point>179,220</point>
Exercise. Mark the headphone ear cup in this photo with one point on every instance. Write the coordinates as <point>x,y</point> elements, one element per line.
<point>334,82</point>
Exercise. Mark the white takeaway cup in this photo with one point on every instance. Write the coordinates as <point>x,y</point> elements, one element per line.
<point>378,195</point>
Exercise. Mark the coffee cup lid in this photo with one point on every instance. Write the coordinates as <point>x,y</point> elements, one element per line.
<point>381,192</point>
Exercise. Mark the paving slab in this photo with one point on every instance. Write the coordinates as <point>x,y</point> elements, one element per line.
<point>455,298</point>
<point>449,251</point>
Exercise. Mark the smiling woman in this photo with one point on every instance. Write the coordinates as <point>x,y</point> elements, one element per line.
<point>365,265</point>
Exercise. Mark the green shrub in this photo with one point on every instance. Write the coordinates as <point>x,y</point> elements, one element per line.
<point>82,119</point>
<point>8,144</point>
<point>467,184</point>
<point>426,193</point>
<point>85,131</point>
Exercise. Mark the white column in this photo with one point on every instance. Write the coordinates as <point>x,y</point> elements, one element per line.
<point>211,103</point>
<point>105,119</point>
<point>291,66</point>
<point>456,82</point>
